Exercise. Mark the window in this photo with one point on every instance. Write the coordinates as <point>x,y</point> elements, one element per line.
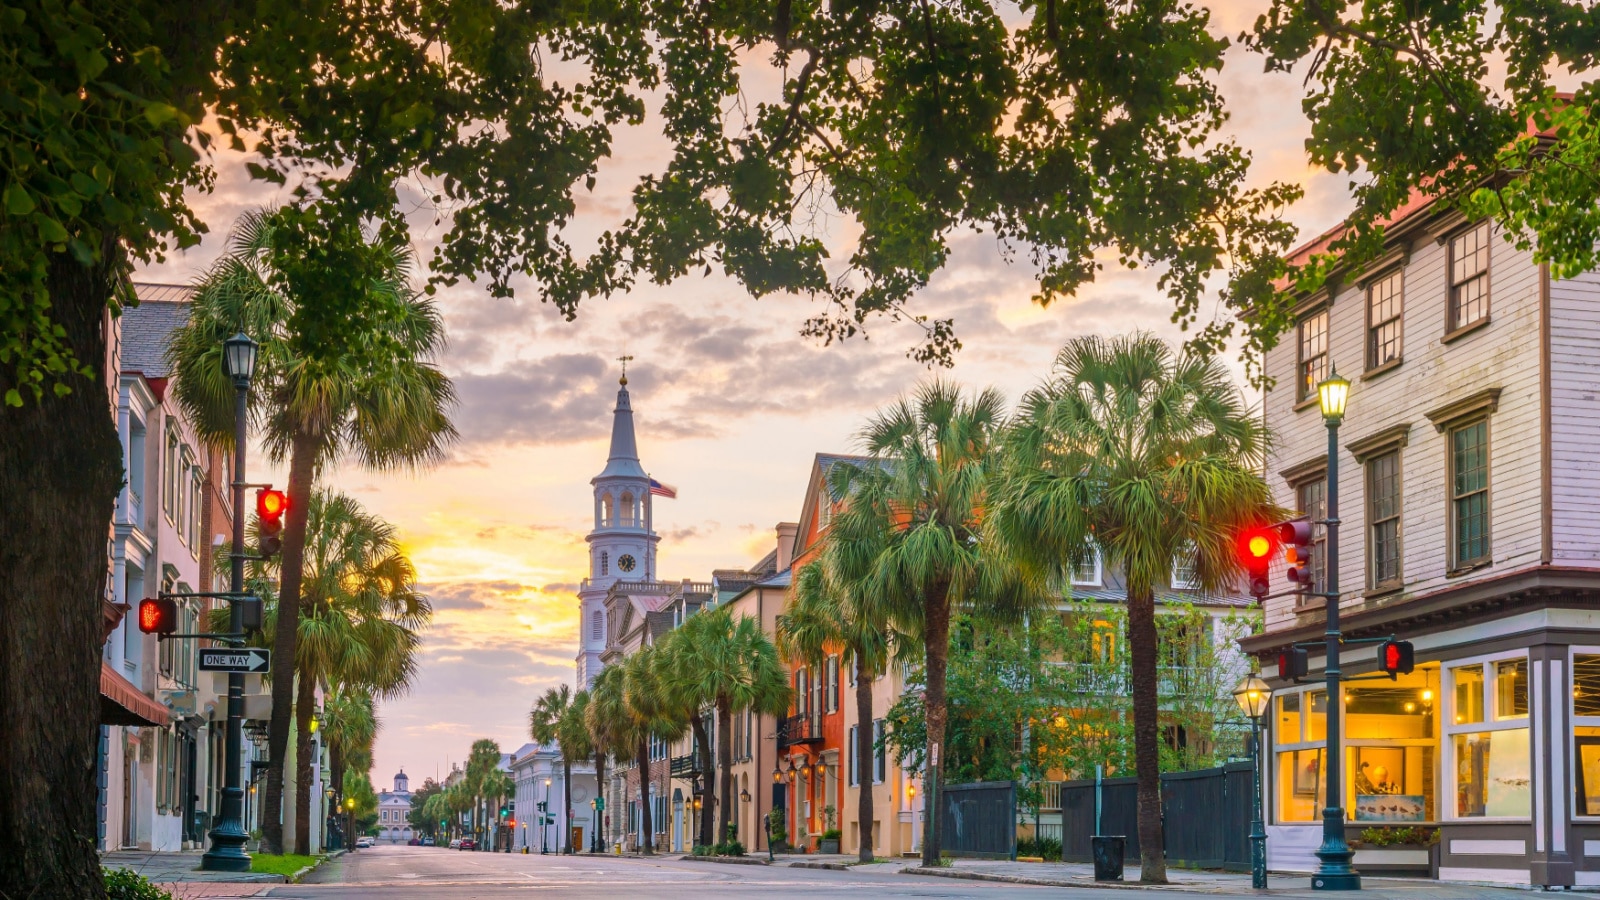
<point>605,563</point>
<point>1469,494</point>
<point>1487,735</point>
<point>1313,354</point>
<point>1312,498</point>
<point>852,747</point>
<point>168,467</point>
<point>1385,300</point>
<point>1390,751</point>
<point>1383,520</point>
<point>1104,640</point>
<point>597,625</point>
<point>1469,277</point>
<point>802,693</point>
<point>1184,574</point>
<point>880,760</point>
<point>833,684</point>
<point>1087,572</point>
<point>1586,730</point>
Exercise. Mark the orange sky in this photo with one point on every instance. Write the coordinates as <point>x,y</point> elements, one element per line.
<point>730,401</point>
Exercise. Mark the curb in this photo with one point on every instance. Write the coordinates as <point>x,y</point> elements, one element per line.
<point>831,866</point>
<point>1049,882</point>
<point>726,860</point>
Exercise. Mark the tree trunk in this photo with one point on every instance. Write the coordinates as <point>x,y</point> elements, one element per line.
<point>646,827</point>
<point>702,749</point>
<point>599,793</point>
<point>566,799</point>
<point>864,755</point>
<point>1146,735</point>
<point>302,468</point>
<point>724,769</point>
<point>936,635</point>
<point>336,780</point>
<point>304,705</point>
<point>60,470</point>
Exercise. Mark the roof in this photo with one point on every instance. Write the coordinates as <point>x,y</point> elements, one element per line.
<point>623,461</point>
<point>781,579</point>
<point>147,329</point>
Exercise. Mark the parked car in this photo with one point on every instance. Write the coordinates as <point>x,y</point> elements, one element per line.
<point>468,844</point>
<point>366,840</point>
<point>455,843</point>
<point>427,842</point>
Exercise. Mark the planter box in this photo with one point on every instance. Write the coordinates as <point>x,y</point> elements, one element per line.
<point>831,846</point>
<point>1401,856</point>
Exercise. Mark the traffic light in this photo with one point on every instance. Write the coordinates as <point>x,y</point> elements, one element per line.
<point>1296,538</point>
<point>249,613</point>
<point>158,615</point>
<point>1293,663</point>
<point>1396,657</point>
<point>270,507</point>
<point>512,823</point>
<point>1255,552</point>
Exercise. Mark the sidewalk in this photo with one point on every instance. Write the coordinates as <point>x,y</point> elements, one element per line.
<point>1190,881</point>
<point>180,875</point>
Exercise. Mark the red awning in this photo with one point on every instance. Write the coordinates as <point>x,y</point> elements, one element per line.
<point>123,704</point>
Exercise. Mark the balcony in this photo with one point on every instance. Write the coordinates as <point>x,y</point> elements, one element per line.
<point>685,766</point>
<point>801,729</point>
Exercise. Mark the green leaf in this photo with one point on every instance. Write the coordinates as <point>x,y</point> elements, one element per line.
<point>18,201</point>
<point>51,231</point>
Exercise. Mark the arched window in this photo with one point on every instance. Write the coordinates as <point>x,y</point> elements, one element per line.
<point>608,512</point>
<point>597,627</point>
<point>605,563</point>
<point>627,510</point>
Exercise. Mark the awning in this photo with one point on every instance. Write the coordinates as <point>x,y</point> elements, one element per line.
<point>123,704</point>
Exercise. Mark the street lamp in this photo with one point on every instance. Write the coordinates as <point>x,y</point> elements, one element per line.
<point>544,820</point>
<point>226,853</point>
<point>1253,695</point>
<point>1335,872</point>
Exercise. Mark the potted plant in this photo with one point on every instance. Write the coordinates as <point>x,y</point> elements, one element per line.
<point>829,842</point>
<point>777,831</point>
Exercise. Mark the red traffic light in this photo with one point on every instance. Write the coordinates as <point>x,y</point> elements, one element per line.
<point>1256,546</point>
<point>271,504</point>
<point>1396,657</point>
<point>158,615</point>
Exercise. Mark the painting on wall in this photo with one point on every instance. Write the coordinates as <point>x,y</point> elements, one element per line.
<point>1509,780</point>
<point>1391,808</point>
<point>1308,773</point>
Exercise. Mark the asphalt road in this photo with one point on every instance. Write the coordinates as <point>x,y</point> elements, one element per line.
<point>394,872</point>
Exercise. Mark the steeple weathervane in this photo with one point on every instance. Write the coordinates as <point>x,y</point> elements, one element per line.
<point>624,359</point>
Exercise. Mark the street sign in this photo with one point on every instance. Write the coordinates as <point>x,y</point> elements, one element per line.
<point>223,659</point>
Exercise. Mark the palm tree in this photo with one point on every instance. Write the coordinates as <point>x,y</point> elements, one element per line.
<point>483,765</point>
<point>910,538</point>
<point>1151,457</point>
<point>823,616</point>
<point>369,392</point>
<point>653,719</point>
<point>607,719</point>
<point>687,699</point>
<point>359,623</point>
<point>349,727</point>
<point>572,733</point>
<point>545,724</point>
<point>734,666</point>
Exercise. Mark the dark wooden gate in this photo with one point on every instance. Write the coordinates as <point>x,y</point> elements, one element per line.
<point>1205,817</point>
<point>979,820</point>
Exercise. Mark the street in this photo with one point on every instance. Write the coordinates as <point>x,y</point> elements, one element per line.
<point>393,872</point>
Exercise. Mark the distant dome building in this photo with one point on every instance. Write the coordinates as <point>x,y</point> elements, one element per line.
<point>394,811</point>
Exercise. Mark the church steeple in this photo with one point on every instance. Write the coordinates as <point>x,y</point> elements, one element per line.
<point>624,459</point>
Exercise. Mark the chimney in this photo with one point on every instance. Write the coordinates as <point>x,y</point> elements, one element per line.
<point>786,535</point>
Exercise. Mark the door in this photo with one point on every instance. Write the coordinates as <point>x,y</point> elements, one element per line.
<point>577,838</point>
<point>129,792</point>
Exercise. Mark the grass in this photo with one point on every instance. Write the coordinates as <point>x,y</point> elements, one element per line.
<point>287,864</point>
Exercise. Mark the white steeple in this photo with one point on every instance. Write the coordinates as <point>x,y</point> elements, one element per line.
<point>622,544</point>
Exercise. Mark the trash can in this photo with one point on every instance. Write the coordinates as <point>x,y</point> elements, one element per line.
<point>1108,850</point>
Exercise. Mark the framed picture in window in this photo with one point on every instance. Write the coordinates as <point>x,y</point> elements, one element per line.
<point>1308,773</point>
<point>1589,776</point>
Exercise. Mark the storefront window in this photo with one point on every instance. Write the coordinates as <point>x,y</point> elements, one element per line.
<point>1490,762</point>
<point>1586,772</point>
<point>1586,684</point>
<point>1301,779</point>
<point>1392,784</point>
<point>1390,773</point>
<point>1317,719</point>
<point>1289,718</point>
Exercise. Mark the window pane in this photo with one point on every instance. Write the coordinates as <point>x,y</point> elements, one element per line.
<point>1492,777</point>
<point>1586,688</point>
<point>1317,719</point>
<point>1469,464</point>
<point>1383,316</point>
<point>1390,784</point>
<point>1313,353</point>
<point>1289,719</point>
<point>1389,713</point>
<point>1301,777</point>
<point>1511,689</point>
<point>1468,682</point>
<point>1586,772</point>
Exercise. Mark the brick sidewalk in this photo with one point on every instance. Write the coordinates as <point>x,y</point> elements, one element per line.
<point>1204,882</point>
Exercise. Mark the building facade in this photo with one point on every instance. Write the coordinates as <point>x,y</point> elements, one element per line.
<point>1468,505</point>
<point>538,775</point>
<point>394,811</point>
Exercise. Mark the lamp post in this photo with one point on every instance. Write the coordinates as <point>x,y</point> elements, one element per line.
<point>1335,872</point>
<point>594,824</point>
<point>350,823</point>
<point>544,820</point>
<point>1253,695</point>
<point>226,853</point>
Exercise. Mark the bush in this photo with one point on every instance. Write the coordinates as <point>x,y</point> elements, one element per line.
<point>126,884</point>
<point>832,834</point>
<point>1412,835</point>
<point>1047,849</point>
<point>731,848</point>
<point>703,849</point>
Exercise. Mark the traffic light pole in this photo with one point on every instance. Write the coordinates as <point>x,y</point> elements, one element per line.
<point>1335,872</point>
<point>228,838</point>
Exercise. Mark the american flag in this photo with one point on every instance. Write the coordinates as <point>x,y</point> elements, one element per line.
<point>663,490</point>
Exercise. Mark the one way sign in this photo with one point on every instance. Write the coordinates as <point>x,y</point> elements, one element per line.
<point>222,659</point>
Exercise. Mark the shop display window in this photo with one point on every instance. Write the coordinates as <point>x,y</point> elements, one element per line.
<point>1490,762</point>
<point>1586,769</point>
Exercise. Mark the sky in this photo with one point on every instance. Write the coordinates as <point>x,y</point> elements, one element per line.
<point>731,404</point>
